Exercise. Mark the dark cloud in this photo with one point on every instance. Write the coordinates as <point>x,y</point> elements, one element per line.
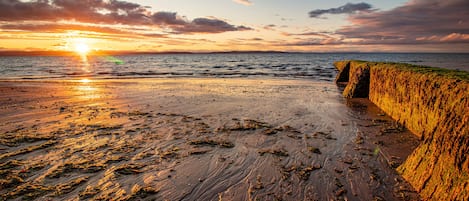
<point>314,42</point>
<point>198,25</point>
<point>116,5</point>
<point>107,12</point>
<point>48,27</point>
<point>92,11</point>
<point>312,33</point>
<point>102,31</point>
<point>168,18</point>
<point>312,38</point>
<point>270,27</point>
<point>206,25</point>
<point>417,22</point>
<point>12,10</point>
<point>348,8</point>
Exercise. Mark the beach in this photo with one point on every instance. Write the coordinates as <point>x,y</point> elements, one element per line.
<point>197,139</point>
<point>234,100</point>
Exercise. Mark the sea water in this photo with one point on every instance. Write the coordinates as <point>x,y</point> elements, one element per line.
<point>314,66</point>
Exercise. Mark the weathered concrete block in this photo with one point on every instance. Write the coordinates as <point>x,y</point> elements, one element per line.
<point>433,103</point>
<point>359,81</point>
<point>343,67</point>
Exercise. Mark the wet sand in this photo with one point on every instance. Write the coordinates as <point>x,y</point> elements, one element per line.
<point>196,139</point>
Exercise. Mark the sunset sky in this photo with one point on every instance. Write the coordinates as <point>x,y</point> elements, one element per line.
<point>235,25</point>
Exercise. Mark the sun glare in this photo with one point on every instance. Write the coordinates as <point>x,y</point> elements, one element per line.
<point>85,80</point>
<point>82,48</point>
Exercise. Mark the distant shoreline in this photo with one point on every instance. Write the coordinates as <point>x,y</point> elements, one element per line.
<point>100,53</point>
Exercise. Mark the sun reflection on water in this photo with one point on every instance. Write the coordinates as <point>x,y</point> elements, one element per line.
<point>85,64</point>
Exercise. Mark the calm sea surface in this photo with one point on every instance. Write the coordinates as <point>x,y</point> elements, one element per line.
<point>284,65</point>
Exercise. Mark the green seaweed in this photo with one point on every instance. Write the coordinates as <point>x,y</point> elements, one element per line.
<point>28,191</point>
<point>89,192</point>
<point>70,186</point>
<point>305,172</point>
<point>129,169</point>
<point>29,149</point>
<point>276,152</point>
<point>10,164</point>
<point>10,181</point>
<point>314,150</point>
<point>246,125</point>
<point>139,193</point>
<point>80,166</point>
<point>210,142</point>
<point>455,74</point>
<point>169,153</point>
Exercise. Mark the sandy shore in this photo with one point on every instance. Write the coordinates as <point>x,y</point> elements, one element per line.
<point>196,139</point>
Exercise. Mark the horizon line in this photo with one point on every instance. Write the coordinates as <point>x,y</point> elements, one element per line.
<point>124,52</point>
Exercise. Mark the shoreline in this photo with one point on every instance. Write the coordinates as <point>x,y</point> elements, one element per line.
<point>154,79</point>
<point>208,138</point>
<point>104,53</point>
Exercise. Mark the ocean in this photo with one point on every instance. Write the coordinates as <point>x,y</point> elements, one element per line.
<point>314,66</point>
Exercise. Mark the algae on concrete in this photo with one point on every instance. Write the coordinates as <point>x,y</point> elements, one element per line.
<point>359,81</point>
<point>434,104</point>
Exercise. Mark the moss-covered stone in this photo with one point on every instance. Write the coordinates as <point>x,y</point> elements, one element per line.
<point>344,68</point>
<point>359,81</point>
<point>434,104</point>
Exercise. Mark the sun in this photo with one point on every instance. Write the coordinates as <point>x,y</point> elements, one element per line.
<point>82,48</point>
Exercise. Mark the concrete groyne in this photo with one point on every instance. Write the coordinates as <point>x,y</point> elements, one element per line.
<point>433,103</point>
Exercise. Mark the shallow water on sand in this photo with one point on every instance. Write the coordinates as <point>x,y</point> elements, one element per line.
<point>197,139</point>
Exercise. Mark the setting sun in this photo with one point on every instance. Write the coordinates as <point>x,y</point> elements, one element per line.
<point>234,100</point>
<point>82,48</point>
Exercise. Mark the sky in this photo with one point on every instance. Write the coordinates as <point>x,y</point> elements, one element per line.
<point>235,25</point>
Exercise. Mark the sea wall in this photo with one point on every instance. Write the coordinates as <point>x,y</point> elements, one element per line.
<point>433,103</point>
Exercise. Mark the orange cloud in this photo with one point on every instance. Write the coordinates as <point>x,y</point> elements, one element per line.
<point>418,22</point>
<point>108,12</point>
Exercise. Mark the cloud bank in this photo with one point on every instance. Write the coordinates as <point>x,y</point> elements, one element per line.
<point>348,8</point>
<point>417,22</point>
<point>108,12</point>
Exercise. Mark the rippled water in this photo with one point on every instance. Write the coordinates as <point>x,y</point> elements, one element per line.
<point>287,65</point>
